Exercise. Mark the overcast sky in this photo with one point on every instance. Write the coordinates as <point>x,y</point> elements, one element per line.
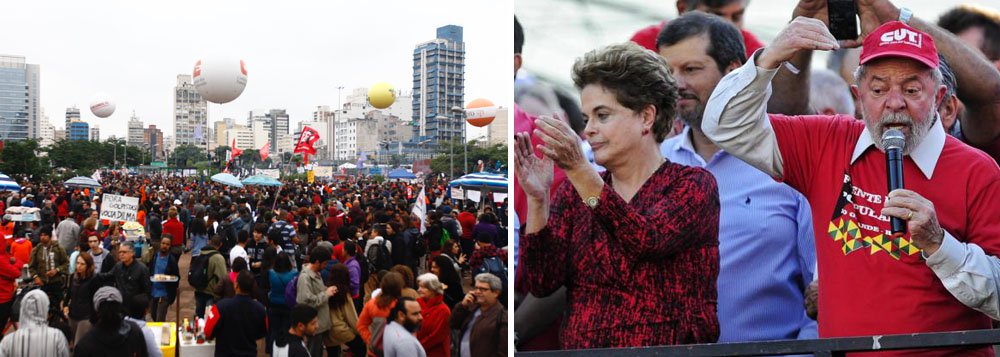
<point>297,52</point>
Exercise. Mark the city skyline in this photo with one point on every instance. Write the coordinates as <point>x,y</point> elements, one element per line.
<point>297,55</point>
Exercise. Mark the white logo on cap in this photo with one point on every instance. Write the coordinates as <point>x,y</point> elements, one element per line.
<point>904,36</point>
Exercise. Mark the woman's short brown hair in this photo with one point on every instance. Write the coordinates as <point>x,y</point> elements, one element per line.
<point>636,76</point>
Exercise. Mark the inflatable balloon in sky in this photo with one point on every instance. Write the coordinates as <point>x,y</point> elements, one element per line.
<point>102,106</point>
<point>220,80</point>
<point>480,112</point>
<point>381,95</point>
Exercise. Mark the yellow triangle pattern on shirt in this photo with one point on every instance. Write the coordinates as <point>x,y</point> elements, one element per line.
<point>846,232</point>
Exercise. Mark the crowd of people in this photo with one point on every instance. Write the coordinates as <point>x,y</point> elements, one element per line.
<point>713,188</point>
<point>350,267</point>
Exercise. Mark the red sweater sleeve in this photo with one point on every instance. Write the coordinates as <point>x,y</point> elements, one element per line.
<point>434,330</point>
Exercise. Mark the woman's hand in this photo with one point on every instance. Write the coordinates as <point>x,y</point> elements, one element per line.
<point>533,173</point>
<point>562,145</point>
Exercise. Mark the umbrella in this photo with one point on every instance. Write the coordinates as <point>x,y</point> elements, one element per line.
<point>7,184</point>
<point>481,181</point>
<point>261,180</point>
<point>347,166</point>
<point>401,174</point>
<point>227,179</point>
<point>83,182</point>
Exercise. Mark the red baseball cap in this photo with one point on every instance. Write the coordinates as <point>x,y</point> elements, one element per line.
<point>896,39</point>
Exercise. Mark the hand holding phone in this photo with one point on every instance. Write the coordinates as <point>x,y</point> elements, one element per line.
<point>843,19</point>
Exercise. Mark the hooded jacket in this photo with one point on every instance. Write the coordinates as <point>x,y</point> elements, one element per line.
<point>34,337</point>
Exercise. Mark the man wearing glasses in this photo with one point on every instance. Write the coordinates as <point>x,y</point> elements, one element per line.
<point>130,276</point>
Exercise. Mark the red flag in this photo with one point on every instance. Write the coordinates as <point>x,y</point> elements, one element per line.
<point>308,137</point>
<point>265,151</point>
<point>236,152</point>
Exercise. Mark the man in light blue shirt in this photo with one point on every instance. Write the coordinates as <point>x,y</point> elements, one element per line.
<point>766,248</point>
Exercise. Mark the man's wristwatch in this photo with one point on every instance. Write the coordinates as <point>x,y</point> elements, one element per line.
<point>591,202</point>
<point>905,15</point>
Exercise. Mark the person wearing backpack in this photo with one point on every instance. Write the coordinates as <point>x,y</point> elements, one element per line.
<point>280,278</point>
<point>373,316</point>
<point>207,270</point>
<point>416,247</point>
<point>378,249</point>
<point>485,250</point>
<point>310,290</point>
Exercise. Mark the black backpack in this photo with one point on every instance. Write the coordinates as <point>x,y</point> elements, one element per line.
<point>379,257</point>
<point>418,247</point>
<point>198,275</point>
<point>495,266</point>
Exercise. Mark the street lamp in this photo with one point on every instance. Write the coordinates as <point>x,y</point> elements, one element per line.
<point>458,111</point>
<point>451,147</point>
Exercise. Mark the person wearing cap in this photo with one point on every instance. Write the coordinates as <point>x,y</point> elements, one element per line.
<point>111,334</point>
<point>33,332</point>
<point>946,260</point>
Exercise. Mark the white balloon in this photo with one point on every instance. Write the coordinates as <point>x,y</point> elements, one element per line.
<point>220,80</point>
<point>102,106</point>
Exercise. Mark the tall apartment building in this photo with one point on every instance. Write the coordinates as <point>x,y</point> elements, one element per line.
<point>19,99</point>
<point>439,85</point>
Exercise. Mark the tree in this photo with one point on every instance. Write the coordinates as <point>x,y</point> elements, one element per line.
<point>20,159</point>
<point>220,155</point>
<point>82,156</point>
<point>186,155</point>
<point>490,155</point>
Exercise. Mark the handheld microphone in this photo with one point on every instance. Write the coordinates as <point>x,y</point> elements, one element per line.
<point>893,141</point>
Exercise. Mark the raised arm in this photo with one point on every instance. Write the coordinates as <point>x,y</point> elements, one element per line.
<point>736,114</point>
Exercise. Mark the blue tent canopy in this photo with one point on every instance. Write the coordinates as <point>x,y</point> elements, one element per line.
<point>481,181</point>
<point>401,174</point>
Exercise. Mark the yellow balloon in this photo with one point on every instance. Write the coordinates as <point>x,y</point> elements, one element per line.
<point>381,95</point>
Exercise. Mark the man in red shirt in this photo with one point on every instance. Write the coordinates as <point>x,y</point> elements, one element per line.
<point>731,10</point>
<point>175,228</point>
<point>468,220</point>
<point>942,266</point>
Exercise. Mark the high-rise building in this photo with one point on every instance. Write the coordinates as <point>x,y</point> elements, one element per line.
<point>168,143</point>
<point>152,140</point>
<point>372,134</point>
<point>135,131</point>
<point>243,136</point>
<point>95,133</point>
<point>220,128</point>
<point>72,116</point>
<point>439,85</point>
<point>496,132</point>
<point>325,115</point>
<point>79,130</point>
<point>19,100</point>
<point>279,126</point>
<point>59,135</point>
<point>190,114</point>
<point>46,133</point>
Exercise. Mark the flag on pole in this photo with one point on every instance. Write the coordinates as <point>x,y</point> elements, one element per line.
<point>265,151</point>
<point>420,209</point>
<point>307,138</point>
<point>236,152</point>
